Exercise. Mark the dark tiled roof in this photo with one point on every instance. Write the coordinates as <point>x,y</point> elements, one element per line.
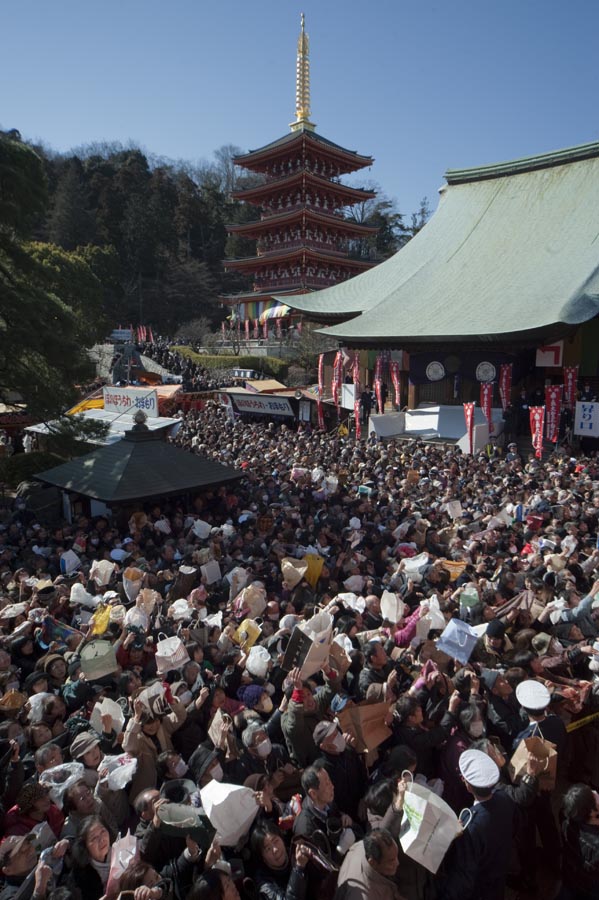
<point>140,465</point>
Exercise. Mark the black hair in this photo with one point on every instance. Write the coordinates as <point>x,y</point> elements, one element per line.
<point>379,796</point>
<point>578,803</point>
<point>375,842</point>
<point>405,707</point>
<point>311,776</point>
<point>468,715</point>
<point>260,832</point>
<point>209,887</point>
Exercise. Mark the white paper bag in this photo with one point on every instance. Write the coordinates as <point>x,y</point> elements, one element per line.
<point>392,607</point>
<point>101,571</point>
<point>211,572</point>
<point>428,828</point>
<point>309,645</point>
<point>69,563</point>
<point>201,529</point>
<point>231,810</point>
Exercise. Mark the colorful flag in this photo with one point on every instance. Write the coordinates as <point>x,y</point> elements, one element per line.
<point>537,420</point>
<point>505,384</point>
<point>469,417</point>
<point>394,367</point>
<point>570,382</point>
<point>553,405</point>
<point>319,406</point>
<point>486,402</point>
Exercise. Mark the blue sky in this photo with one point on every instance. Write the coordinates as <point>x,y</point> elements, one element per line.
<point>420,86</point>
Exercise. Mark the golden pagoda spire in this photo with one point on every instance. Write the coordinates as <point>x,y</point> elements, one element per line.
<point>302,83</point>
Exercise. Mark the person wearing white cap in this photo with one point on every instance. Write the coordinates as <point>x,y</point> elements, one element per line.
<point>534,698</point>
<point>477,863</point>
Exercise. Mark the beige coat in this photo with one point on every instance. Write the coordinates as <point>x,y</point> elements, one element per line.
<point>141,746</point>
<point>359,881</point>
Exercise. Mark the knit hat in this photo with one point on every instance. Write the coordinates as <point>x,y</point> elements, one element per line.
<point>30,794</point>
<point>250,695</point>
<point>83,743</point>
<point>34,679</point>
<point>200,760</point>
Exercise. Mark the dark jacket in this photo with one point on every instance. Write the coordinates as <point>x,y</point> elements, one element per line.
<point>348,774</point>
<point>551,728</point>
<point>580,865</point>
<point>503,720</point>
<point>288,884</point>
<point>424,743</point>
<point>476,865</point>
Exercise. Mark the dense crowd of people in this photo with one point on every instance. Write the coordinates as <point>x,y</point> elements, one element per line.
<point>250,697</point>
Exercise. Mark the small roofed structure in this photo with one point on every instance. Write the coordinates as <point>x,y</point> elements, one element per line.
<point>138,467</point>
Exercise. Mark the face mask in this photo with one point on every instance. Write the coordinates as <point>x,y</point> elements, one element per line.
<point>217,773</point>
<point>339,742</point>
<point>264,748</point>
<point>477,729</point>
<point>181,768</point>
<point>185,697</point>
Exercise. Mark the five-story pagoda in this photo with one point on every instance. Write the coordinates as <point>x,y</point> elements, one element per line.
<point>304,241</point>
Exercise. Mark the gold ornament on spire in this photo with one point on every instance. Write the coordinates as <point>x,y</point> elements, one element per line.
<point>302,83</point>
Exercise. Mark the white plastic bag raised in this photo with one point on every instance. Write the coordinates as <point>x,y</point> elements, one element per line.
<point>61,778</point>
<point>122,855</point>
<point>119,770</point>
<point>231,810</point>
<point>428,828</point>
<point>170,654</point>
<point>107,707</point>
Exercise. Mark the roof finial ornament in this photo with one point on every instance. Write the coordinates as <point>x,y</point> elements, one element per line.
<point>302,82</point>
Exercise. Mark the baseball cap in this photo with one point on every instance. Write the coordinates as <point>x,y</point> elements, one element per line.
<point>322,731</point>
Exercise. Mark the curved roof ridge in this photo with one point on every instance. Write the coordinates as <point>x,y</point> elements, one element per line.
<point>523,164</point>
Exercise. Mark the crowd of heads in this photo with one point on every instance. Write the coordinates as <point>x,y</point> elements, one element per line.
<point>383,546</point>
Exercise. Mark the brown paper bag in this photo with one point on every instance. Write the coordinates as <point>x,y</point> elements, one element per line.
<point>293,570</point>
<point>366,723</point>
<point>542,749</point>
<point>338,659</point>
<point>214,731</point>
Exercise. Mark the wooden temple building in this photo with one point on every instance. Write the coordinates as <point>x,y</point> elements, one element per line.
<point>304,241</point>
<point>506,271</point>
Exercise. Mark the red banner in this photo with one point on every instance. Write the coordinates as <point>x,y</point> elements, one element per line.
<point>224,330</point>
<point>278,327</point>
<point>469,417</point>
<point>570,382</point>
<point>256,329</point>
<point>537,420</point>
<point>357,418</point>
<point>505,384</point>
<point>337,380</point>
<point>394,366</point>
<point>486,402</point>
<point>319,405</point>
<point>247,329</point>
<point>355,370</point>
<point>553,405</point>
<point>265,329</point>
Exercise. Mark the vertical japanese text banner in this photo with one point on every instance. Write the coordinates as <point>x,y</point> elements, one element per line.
<point>537,421</point>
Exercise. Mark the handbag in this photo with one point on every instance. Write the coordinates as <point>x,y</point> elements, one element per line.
<point>429,826</point>
<point>542,749</point>
<point>170,654</point>
<point>458,640</point>
<point>123,853</point>
<point>309,645</point>
<point>98,659</point>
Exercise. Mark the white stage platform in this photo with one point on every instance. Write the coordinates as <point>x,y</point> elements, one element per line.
<point>437,422</point>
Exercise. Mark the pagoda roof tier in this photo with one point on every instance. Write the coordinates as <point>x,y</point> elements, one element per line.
<point>348,195</point>
<point>291,255</point>
<point>301,214</point>
<point>252,296</point>
<point>511,252</point>
<point>303,140</point>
